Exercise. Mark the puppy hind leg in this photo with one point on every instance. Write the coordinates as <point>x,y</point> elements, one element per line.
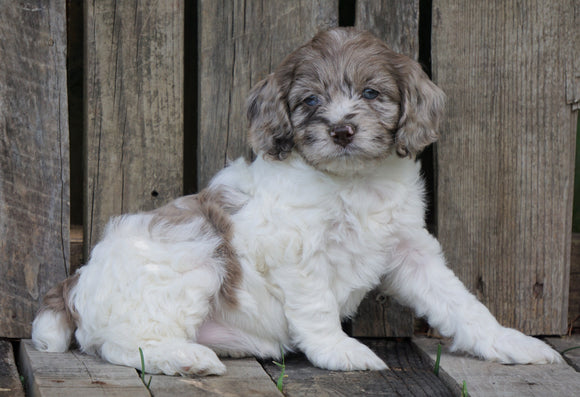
<point>170,357</point>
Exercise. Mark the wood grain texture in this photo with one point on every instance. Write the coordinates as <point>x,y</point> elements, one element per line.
<point>240,42</point>
<point>379,316</point>
<point>409,374</point>
<point>34,161</point>
<point>574,299</point>
<point>244,377</point>
<point>10,384</point>
<point>397,23</point>
<point>134,108</point>
<point>569,347</point>
<point>73,374</point>
<point>487,379</point>
<point>506,154</point>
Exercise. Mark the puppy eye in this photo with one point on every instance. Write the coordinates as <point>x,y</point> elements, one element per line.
<point>312,100</point>
<point>369,93</point>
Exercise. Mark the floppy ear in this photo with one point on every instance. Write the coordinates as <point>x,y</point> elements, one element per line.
<point>270,127</point>
<point>422,105</point>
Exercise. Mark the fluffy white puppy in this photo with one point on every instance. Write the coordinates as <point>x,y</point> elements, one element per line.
<point>275,253</point>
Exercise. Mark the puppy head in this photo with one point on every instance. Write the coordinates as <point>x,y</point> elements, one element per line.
<point>344,96</point>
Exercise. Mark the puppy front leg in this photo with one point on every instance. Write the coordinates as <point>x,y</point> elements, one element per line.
<point>314,322</point>
<point>421,280</point>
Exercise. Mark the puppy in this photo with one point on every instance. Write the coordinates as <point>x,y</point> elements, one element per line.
<point>273,254</point>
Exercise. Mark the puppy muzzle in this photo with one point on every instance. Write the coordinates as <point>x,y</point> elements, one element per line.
<point>342,134</point>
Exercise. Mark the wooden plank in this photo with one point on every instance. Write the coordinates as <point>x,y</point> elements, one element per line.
<point>506,155</point>
<point>10,384</point>
<point>574,300</point>
<point>240,42</point>
<point>379,316</point>
<point>484,378</point>
<point>134,109</point>
<point>397,23</point>
<point>569,347</point>
<point>409,374</point>
<point>244,377</point>
<point>34,162</point>
<point>75,374</point>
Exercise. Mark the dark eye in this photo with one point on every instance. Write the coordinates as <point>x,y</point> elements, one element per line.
<point>369,93</point>
<point>312,100</point>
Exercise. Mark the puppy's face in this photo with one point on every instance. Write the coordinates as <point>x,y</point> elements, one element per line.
<point>342,98</point>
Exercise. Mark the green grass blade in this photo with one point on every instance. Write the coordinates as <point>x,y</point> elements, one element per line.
<point>570,348</point>
<point>147,384</point>
<point>464,390</point>
<point>437,360</point>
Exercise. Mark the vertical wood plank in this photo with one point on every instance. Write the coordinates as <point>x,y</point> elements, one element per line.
<point>397,23</point>
<point>574,299</point>
<point>34,160</point>
<point>506,155</point>
<point>134,108</point>
<point>10,384</point>
<point>241,41</point>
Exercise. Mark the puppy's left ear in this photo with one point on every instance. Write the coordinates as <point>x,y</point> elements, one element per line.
<point>270,127</point>
<point>422,106</point>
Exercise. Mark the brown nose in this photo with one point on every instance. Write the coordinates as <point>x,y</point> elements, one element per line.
<point>342,134</point>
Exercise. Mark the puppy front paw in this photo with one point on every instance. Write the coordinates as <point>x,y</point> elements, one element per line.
<point>347,355</point>
<point>513,347</point>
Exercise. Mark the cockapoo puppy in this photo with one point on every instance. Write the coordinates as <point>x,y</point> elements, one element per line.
<point>273,254</point>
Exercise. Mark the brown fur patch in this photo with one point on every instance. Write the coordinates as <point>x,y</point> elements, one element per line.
<point>57,299</point>
<point>214,206</point>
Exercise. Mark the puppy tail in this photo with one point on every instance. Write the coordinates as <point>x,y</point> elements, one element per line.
<point>54,324</point>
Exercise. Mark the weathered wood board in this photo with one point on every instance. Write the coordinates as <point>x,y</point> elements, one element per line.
<point>243,377</point>
<point>10,384</point>
<point>34,160</point>
<point>134,108</point>
<point>569,347</point>
<point>397,23</point>
<point>75,374</point>
<point>506,154</point>
<point>240,42</point>
<point>487,379</point>
<point>409,374</point>
<point>574,300</point>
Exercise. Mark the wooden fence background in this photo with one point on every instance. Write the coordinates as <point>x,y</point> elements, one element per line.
<point>159,107</point>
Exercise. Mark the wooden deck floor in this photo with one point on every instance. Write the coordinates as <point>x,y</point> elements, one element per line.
<point>410,374</point>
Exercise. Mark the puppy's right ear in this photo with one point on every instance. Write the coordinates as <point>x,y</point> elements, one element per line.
<point>271,131</point>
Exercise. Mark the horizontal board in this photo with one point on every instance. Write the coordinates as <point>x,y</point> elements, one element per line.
<point>489,379</point>
<point>75,374</point>
<point>243,377</point>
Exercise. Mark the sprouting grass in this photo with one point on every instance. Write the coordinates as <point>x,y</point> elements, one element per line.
<point>146,383</point>
<point>436,371</point>
<point>464,390</point>
<point>280,383</point>
<point>570,348</point>
<point>437,360</point>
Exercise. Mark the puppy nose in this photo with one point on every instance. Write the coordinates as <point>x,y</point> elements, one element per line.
<point>342,134</point>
